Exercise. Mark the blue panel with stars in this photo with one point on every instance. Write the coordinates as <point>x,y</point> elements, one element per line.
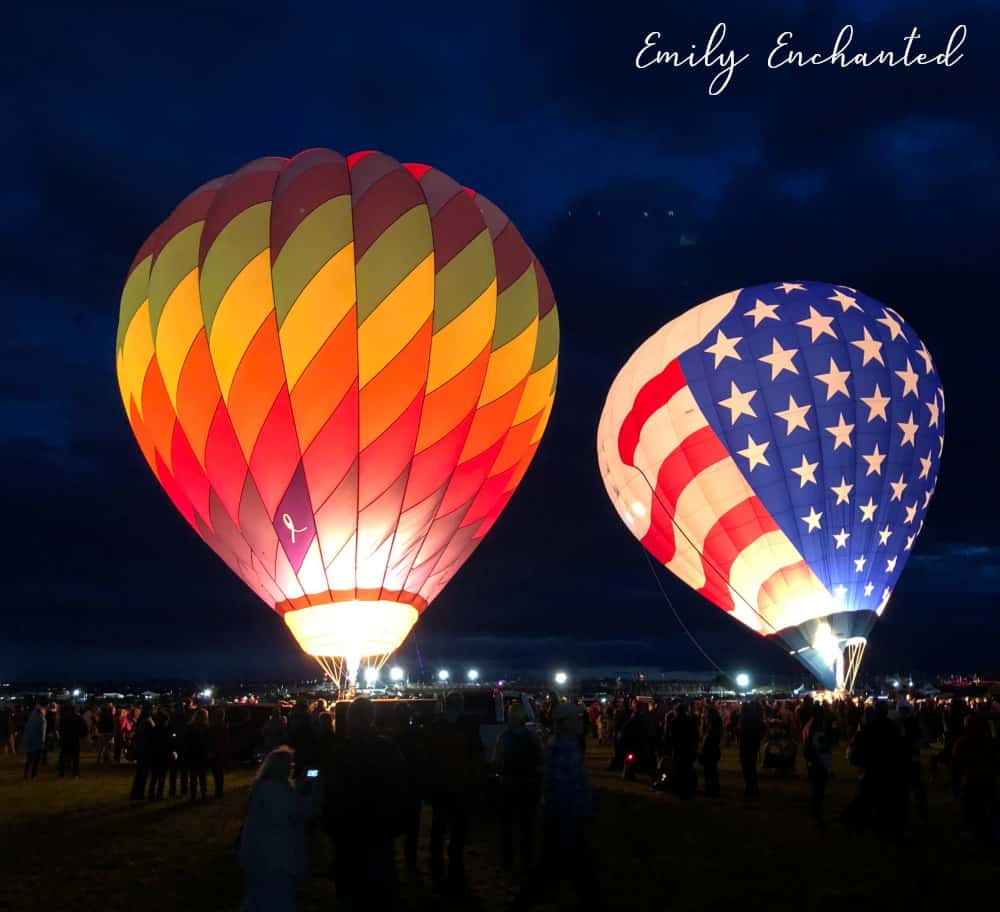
<point>830,405</point>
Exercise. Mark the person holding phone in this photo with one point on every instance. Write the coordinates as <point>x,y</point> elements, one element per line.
<point>272,846</point>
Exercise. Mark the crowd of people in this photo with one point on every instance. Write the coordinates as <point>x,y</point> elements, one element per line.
<point>335,772</point>
<point>172,747</point>
<point>364,787</point>
<point>671,739</point>
<point>370,783</point>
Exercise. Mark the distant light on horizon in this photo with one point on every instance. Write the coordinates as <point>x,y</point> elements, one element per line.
<point>371,675</point>
<point>743,680</point>
<point>443,674</point>
<point>396,674</point>
<point>561,678</point>
<point>473,674</point>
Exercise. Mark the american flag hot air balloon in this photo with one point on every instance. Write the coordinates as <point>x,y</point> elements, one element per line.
<point>777,448</point>
<point>339,370</point>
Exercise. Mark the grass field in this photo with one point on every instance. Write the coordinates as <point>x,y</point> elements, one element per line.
<point>79,844</point>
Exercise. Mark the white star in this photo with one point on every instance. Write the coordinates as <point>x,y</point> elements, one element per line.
<point>841,538</point>
<point>843,491</point>
<point>840,591</point>
<point>806,471</point>
<point>870,347</point>
<point>845,301</point>
<point>932,407</point>
<point>835,380</point>
<point>909,429</point>
<point>841,433</point>
<point>885,601</point>
<point>780,359</point>
<point>788,287</point>
<point>911,513</point>
<point>761,312</point>
<point>927,498</point>
<point>941,394</point>
<point>876,403</point>
<point>874,460</point>
<point>890,564</point>
<point>941,445</point>
<point>738,402</point>
<point>884,535</point>
<point>894,328</point>
<point>909,542</point>
<point>859,564</point>
<point>925,462</point>
<point>794,415</point>
<point>898,487</point>
<point>926,355</point>
<point>724,347</point>
<point>909,378</point>
<point>754,453</point>
<point>868,510</point>
<point>818,324</point>
<point>868,589</point>
<point>812,520</point>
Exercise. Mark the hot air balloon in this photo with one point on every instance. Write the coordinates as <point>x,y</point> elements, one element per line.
<point>776,448</point>
<point>339,370</point>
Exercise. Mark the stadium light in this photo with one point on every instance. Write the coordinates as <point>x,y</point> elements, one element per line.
<point>443,674</point>
<point>396,674</point>
<point>561,678</point>
<point>743,680</point>
<point>76,692</point>
<point>371,675</point>
<point>207,693</point>
<point>473,674</point>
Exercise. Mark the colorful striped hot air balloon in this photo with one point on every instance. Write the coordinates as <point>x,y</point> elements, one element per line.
<point>339,370</point>
<point>776,448</point>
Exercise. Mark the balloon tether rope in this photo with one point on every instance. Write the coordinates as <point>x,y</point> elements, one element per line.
<point>683,626</point>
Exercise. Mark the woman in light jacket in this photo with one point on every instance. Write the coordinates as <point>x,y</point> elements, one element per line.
<point>272,850</point>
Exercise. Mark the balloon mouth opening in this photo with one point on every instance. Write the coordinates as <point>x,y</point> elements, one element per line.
<point>842,656</point>
<point>352,630</point>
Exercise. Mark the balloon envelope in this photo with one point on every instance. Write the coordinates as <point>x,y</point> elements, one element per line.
<point>776,448</point>
<point>339,370</point>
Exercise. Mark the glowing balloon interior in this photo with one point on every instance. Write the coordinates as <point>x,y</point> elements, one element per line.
<point>777,448</point>
<point>339,370</point>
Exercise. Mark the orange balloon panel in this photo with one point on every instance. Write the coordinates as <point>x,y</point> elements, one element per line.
<point>339,370</point>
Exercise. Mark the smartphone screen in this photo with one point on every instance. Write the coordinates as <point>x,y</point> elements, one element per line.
<point>312,774</point>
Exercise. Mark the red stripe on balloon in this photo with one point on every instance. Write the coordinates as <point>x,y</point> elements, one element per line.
<point>696,453</point>
<point>733,532</point>
<point>655,394</point>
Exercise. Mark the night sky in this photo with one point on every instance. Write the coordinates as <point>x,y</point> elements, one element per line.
<point>640,193</point>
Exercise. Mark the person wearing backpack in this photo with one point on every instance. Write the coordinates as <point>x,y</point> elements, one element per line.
<point>517,759</point>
